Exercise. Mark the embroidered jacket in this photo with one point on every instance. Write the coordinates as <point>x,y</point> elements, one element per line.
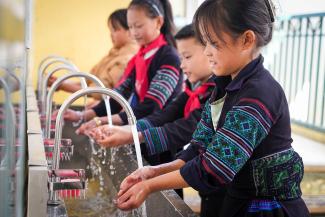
<point>249,151</point>
<point>165,83</point>
<point>169,129</point>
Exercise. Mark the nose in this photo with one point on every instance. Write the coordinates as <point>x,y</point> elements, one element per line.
<point>133,33</point>
<point>207,50</point>
<point>182,65</point>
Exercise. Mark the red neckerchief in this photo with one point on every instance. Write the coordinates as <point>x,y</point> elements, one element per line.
<point>141,65</point>
<point>193,101</point>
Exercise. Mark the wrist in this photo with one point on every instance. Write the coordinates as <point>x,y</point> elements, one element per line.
<point>157,170</point>
<point>103,120</point>
<point>148,186</point>
<point>79,115</point>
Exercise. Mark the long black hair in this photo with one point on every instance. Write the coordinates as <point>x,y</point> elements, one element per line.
<point>235,17</point>
<point>118,19</point>
<point>155,8</point>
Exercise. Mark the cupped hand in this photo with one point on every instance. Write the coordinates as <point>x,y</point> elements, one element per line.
<point>134,197</point>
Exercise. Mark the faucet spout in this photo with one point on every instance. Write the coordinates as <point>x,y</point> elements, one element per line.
<point>49,99</point>
<point>111,93</point>
<point>45,64</point>
<point>46,79</point>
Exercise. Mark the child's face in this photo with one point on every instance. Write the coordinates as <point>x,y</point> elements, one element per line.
<point>119,35</point>
<point>193,61</point>
<point>226,57</point>
<point>143,28</point>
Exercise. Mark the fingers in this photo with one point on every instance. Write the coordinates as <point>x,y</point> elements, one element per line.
<point>132,198</point>
<point>128,182</point>
<point>128,204</point>
<point>79,130</point>
<point>85,128</point>
<point>105,142</point>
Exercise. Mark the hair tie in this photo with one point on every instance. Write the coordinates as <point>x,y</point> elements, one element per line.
<point>153,5</point>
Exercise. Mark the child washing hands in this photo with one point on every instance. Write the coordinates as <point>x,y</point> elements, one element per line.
<point>247,147</point>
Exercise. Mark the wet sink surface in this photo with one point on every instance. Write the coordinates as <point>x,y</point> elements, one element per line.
<point>105,173</point>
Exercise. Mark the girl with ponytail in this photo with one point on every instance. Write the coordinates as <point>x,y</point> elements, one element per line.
<point>152,77</point>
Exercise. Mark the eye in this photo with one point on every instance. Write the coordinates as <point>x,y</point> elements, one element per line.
<point>215,44</point>
<point>187,57</point>
<point>138,26</point>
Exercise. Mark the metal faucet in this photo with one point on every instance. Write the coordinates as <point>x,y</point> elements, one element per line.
<point>43,91</point>
<point>45,64</point>
<point>49,99</point>
<point>59,119</point>
<point>55,182</point>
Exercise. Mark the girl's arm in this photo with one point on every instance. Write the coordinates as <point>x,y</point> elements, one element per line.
<point>70,86</point>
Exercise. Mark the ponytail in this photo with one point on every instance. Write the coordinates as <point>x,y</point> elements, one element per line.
<point>155,8</point>
<point>168,29</point>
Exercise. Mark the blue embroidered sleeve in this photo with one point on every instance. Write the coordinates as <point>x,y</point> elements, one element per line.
<point>163,84</point>
<point>204,130</point>
<point>125,89</point>
<point>245,126</point>
<point>201,136</point>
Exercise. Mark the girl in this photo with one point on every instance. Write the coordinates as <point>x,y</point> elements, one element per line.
<point>153,74</point>
<point>246,147</point>
<point>111,67</point>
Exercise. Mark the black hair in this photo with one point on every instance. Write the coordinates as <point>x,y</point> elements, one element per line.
<point>185,32</point>
<point>235,17</point>
<point>155,8</point>
<point>118,19</point>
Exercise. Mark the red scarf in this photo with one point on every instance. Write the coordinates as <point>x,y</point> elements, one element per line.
<point>141,64</point>
<point>193,101</point>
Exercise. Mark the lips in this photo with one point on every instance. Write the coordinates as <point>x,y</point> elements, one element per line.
<point>212,63</point>
<point>188,74</point>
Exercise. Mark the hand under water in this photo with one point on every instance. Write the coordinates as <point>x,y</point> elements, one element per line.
<point>133,190</point>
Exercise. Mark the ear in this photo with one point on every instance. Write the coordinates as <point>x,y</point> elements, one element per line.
<point>248,40</point>
<point>160,22</point>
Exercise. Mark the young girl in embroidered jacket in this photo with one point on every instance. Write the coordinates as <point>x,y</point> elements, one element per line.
<point>152,75</point>
<point>246,146</point>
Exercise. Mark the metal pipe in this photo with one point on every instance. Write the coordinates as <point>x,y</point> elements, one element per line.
<point>48,102</point>
<point>59,119</point>
<point>8,161</point>
<point>42,97</point>
<point>44,65</point>
<point>10,123</point>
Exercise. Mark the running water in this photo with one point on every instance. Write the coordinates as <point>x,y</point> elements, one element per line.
<point>108,111</point>
<point>139,159</point>
<point>109,121</point>
<point>137,145</point>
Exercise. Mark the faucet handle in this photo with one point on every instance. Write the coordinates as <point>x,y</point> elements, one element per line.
<point>66,149</point>
<point>67,183</point>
